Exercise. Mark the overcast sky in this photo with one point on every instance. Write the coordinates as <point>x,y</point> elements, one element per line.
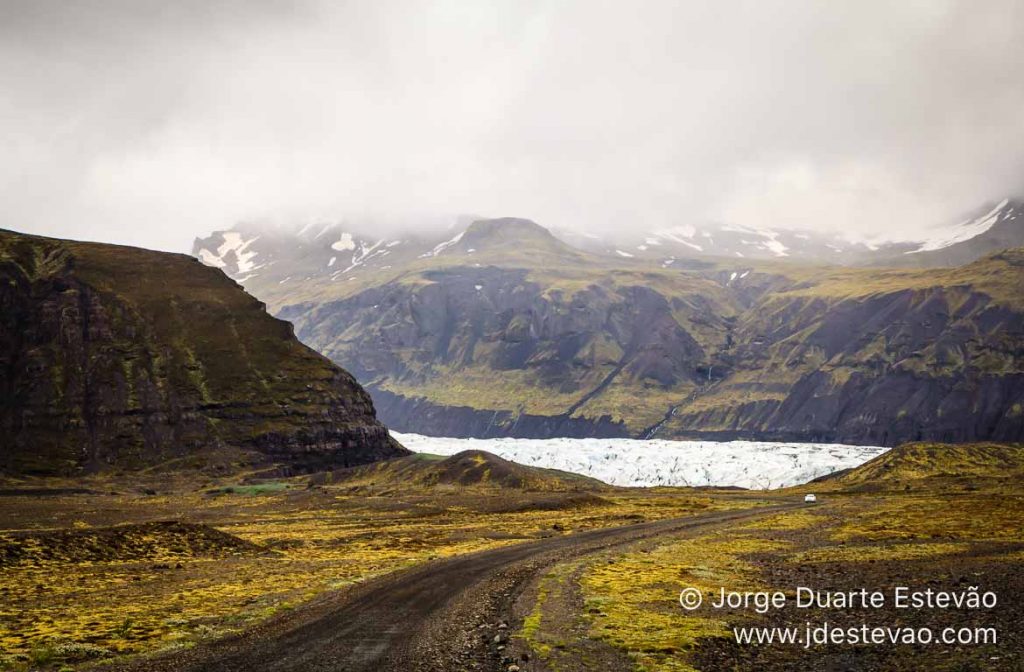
<point>149,123</point>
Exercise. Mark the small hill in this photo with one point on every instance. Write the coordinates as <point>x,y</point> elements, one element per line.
<point>167,540</point>
<point>918,465</point>
<point>120,357</point>
<point>468,469</point>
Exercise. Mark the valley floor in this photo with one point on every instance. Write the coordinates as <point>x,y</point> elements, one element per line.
<point>90,573</point>
<point>336,577</point>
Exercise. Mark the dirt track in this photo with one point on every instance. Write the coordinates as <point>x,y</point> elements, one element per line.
<point>436,616</point>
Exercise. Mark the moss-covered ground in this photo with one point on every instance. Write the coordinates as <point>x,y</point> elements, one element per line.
<point>87,573</point>
<point>913,528</point>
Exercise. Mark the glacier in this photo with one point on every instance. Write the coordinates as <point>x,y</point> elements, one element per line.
<point>755,465</point>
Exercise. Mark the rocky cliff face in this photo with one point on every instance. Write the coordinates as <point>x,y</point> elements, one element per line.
<point>495,352</point>
<point>937,363</point>
<point>114,356</point>
<point>421,416</point>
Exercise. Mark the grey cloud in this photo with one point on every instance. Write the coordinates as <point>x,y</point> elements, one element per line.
<point>149,123</point>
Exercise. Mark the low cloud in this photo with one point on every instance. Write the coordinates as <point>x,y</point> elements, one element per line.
<point>150,123</point>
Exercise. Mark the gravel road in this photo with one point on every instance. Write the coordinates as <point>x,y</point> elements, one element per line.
<point>447,614</point>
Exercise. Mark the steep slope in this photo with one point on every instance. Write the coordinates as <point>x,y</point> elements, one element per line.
<point>120,356</point>
<point>877,358</point>
<point>512,331</point>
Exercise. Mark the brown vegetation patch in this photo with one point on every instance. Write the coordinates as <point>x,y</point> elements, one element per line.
<point>166,540</point>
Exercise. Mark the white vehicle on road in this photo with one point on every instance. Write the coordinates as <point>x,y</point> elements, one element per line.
<point>810,498</point>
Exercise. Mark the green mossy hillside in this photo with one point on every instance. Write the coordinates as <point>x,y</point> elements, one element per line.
<point>916,466</point>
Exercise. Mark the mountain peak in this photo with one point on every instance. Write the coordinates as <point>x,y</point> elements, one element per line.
<point>510,235</point>
<point>505,229</point>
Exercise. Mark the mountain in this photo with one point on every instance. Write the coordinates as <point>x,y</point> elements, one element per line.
<point>277,263</point>
<point>880,357</point>
<point>120,357</point>
<point>273,260</point>
<point>990,228</point>
<point>503,329</point>
<point>734,241</point>
<point>270,260</point>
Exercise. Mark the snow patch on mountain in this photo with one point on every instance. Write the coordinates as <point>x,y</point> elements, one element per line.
<point>364,253</point>
<point>443,246</point>
<point>772,244</point>
<point>232,242</point>
<point>211,259</point>
<point>964,231</point>
<point>632,462</point>
<point>344,243</point>
<point>678,234</point>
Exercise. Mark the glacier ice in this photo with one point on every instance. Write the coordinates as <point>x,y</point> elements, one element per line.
<point>757,465</point>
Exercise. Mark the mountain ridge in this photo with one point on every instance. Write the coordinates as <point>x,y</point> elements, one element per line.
<point>545,340</point>
<point>331,259</point>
